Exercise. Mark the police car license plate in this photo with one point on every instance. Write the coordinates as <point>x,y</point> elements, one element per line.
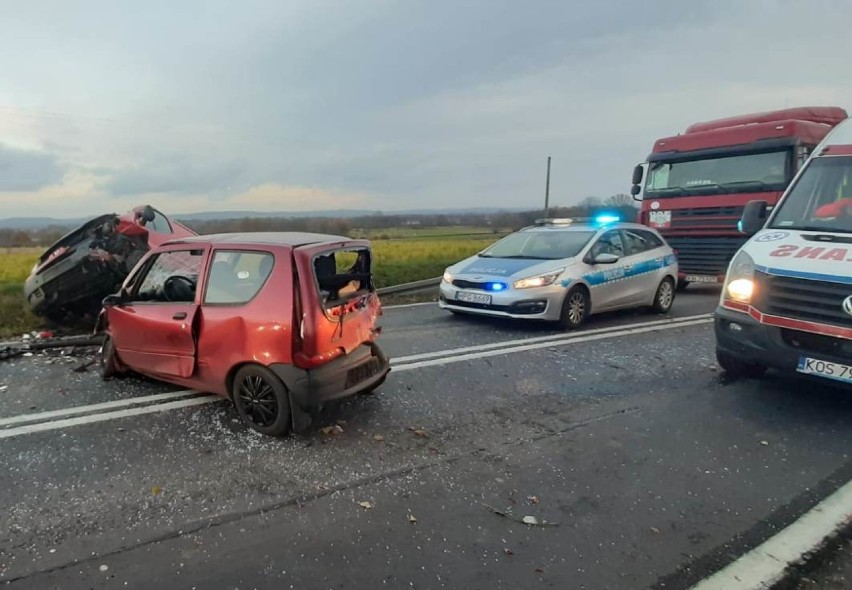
<point>473,297</point>
<point>836,371</point>
<point>701,279</point>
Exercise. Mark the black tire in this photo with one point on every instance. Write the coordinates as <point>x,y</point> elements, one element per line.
<point>737,368</point>
<point>262,400</point>
<point>664,297</point>
<point>109,359</point>
<point>575,309</point>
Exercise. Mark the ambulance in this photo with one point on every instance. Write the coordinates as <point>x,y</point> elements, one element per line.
<point>786,301</point>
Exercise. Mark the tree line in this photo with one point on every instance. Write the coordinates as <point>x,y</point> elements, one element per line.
<point>624,205</point>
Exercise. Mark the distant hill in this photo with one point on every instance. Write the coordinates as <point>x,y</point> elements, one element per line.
<point>34,223</point>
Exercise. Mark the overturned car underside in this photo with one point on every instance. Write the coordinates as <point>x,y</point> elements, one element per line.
<point>71,278</point>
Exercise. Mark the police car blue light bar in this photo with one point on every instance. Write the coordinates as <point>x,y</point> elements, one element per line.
<point>605,218</point>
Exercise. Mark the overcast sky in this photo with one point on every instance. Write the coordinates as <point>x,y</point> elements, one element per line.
<point>377,104</point>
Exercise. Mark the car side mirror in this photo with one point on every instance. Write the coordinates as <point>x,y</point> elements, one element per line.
<point>115,300</point>
<point>148,213</point>
<point>754,218</point>
<point>605,258</point>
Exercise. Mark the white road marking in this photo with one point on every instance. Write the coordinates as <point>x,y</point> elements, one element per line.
<point>58,424</point>
<point>134,401</point>
<point>404,305</point>
<point>44,421</point>
<point>523,348</point>
<point>765,565</point>
<point>550,337</point>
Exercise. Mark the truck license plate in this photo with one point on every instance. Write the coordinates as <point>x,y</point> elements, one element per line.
<point>829,370</point>
<point>701,279</point>
<point>474,297</point>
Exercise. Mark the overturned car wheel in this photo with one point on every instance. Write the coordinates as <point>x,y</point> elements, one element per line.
<point>261,400</point>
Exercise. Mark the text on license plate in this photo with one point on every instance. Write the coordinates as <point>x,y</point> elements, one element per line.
<point>812,366</point>
<point>474,297</point>
<point>701,279</point>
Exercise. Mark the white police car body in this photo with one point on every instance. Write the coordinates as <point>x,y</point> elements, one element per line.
<point>564,270</point>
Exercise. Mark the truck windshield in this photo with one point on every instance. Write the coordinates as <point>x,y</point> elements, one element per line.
<point>541,245</point>
<point>741,173</point>
<point>821,199</point>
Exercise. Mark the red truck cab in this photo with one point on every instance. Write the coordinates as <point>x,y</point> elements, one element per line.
<point>696,184</point>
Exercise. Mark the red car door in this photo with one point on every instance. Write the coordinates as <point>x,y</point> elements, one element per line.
<point>154,329</point>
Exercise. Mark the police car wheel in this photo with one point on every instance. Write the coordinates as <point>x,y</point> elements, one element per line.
<point>664,297</point>
<point>575,308</point>
<point>737,368</point>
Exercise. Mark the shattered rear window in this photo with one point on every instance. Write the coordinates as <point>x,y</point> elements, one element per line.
<point>342,274</point>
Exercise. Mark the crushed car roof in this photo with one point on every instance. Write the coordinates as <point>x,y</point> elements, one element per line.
<point>274,238</point>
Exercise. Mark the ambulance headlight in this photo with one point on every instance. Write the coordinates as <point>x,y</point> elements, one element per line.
<point>739,281</point>
<point>539,280</point>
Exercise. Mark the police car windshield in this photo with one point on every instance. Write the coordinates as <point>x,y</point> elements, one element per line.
<point>821,199</point>
<point>540,245</point>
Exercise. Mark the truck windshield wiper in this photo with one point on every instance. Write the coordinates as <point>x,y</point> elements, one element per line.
<point>746,184</point>
<point>703,189</point>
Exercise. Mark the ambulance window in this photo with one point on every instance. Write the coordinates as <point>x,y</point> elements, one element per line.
<point>821,199</point>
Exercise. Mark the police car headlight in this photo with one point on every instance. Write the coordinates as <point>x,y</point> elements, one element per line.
<point>739,281</point>
<point>538,280</point>
<point>447,278</point>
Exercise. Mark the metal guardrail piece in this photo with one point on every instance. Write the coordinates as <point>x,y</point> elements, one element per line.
<point>412,287</point>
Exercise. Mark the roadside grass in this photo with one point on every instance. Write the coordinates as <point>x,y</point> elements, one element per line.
<point>15,265</point>
<point>397,260</point>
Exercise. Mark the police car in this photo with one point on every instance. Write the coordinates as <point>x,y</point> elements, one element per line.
<point>564,270</point>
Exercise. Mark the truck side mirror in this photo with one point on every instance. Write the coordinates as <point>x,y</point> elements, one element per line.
<point>638,172</point>
<point>754,217</point>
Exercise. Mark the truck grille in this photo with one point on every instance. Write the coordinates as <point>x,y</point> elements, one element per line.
<point>803,299</point>
<point>705,255</point>
<point>724,218</point>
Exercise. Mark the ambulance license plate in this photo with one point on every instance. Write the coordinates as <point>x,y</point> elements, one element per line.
<point>474,297</point>
<point>829,370</point>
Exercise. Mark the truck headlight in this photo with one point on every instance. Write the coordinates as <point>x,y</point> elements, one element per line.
<point>542,280</point>
<point>739,281</point>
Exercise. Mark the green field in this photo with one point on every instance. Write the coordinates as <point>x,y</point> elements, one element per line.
<point>406,255</point>
<point>15,265</point>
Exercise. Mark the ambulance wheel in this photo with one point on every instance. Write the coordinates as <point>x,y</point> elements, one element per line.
<point>575,308</point>
<point>737,368</point>
<point>664,297</point>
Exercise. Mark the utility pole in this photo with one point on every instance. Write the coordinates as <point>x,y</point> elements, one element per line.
<point>547,190</point>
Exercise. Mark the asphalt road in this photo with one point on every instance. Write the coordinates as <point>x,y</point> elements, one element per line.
<point>646,467</point>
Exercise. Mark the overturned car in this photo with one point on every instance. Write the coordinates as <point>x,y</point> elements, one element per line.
<point>71,278</point>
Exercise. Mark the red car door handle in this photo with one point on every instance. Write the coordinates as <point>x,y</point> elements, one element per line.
<point>181,315</point>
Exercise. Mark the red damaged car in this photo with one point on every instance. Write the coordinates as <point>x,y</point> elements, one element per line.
<point>277,322</point>
<point>73,275</point>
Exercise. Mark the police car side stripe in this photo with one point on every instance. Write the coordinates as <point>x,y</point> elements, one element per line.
<point>616,274</point>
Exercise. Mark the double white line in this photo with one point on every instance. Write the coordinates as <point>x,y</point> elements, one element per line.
<point>163,402</point>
